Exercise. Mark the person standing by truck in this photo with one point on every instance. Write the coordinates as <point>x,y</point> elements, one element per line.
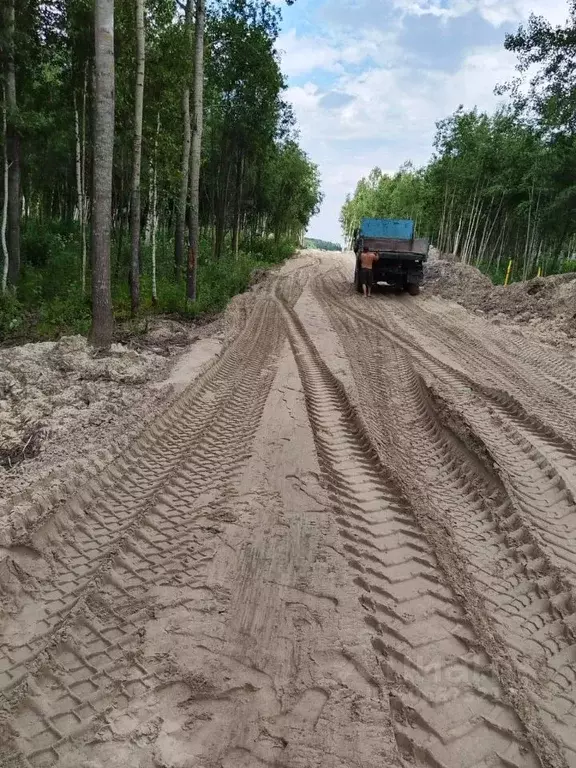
<point>367,259</point>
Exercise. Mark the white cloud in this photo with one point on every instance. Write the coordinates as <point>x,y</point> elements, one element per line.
<point>381,108</point>
<point>389,103</point>
<point>305,54</point>
<point>332,52</point>
<point>496,12</point>
<point>393,112</point>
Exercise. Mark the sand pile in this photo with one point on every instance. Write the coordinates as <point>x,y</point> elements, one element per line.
<point>457,282</point>
<point>549,301</point>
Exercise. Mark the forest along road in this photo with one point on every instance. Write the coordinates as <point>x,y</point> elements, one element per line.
<point>349,542</point>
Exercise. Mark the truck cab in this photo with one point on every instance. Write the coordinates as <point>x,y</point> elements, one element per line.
<point>401,256</point>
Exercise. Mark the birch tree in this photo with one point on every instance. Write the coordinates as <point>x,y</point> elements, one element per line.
<point>185,164</point>
<point>13,148</point>
<point>135,204</point>
<point>196,150</point>
<point>80,136</point>
<point>154,210</point>
<point>5,171</point>
<point>102,319</point>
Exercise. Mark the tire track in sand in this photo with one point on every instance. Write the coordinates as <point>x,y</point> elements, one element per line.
<point>448,707</point>
<point>60,677</point>
<point>538,386</point>
<point>527,595</point>
<point>523,448</point>
<point>535,359</point>
<point>524,594</point>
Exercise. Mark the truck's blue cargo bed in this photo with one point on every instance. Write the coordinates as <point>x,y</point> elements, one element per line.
<point>396,229</point>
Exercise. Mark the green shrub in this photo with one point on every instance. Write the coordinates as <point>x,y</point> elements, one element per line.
<point>42,241</point>
<point>63,315</point>
<point>11,315</point>
<point>568,265</point>
<point>49,301</point>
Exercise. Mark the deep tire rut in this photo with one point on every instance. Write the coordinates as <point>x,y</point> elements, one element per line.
<point>447,706</point>
<point>524,446</point>
<point>501,524</point>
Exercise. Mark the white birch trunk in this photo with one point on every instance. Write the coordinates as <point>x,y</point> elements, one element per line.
<point>135,202</point>
<point>80,191</point>
<point>6,171</point>
<point>196,151</point>
<point>102,318</point>
<point>154,213</point>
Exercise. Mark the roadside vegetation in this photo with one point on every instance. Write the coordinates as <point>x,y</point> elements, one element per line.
<point>151,175</point>
<point>498,188</point>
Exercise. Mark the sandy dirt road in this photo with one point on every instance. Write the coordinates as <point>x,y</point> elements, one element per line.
<point>349,542</point>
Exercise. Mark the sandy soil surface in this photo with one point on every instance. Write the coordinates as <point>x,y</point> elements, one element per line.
<point>547,304</point>
<point>348,541</point>
<point>62,406</point>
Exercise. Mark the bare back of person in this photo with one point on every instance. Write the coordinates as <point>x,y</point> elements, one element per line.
<point>367,259</point>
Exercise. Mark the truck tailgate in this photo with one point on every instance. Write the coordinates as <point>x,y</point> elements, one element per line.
<point>408,248</point>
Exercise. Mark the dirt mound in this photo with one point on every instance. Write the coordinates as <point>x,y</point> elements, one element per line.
<point>457,282</point>
<point>542,297</point>
<point>541,301</point>
<point>55,388</point>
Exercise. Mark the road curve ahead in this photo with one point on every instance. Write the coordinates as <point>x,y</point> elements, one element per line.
<point>349,543</point>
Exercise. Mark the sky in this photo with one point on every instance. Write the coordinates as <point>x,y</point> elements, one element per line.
<point>369,79</point>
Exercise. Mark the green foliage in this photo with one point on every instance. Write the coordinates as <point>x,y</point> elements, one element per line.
<point>50,303</point>
<point>323,245</point>
<point>258,188</point>
<point>547,52</point>
<point>11,315</point>
<point>45,241</point>
<point>568,265</point>
<point>268,251</point>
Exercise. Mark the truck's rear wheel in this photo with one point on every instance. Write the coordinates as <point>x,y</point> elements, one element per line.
<point>413,289</point>
<point>357,282</point>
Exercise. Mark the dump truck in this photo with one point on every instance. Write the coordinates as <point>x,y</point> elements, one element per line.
<point>401,255</point>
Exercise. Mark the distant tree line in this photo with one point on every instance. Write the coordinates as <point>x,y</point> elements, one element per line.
<point>321,245</point>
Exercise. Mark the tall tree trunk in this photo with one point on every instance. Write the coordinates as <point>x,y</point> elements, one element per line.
<point>102,319</point>
<point>184,184</point>
<point>154,211</point>
<point>118,218</point>
<point>194,234</point>
<point>13,147</point>
<point>222,200</point>
<point>237,206</point>
<point>80,192</point>
<point>4,223</point>
<point>219,231</point>
<point>137,161</point>
<point>120,222</point>
<point>185,165</point>
<point>84,229</point>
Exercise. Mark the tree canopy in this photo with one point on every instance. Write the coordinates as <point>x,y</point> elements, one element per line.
<point>258,189</point>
